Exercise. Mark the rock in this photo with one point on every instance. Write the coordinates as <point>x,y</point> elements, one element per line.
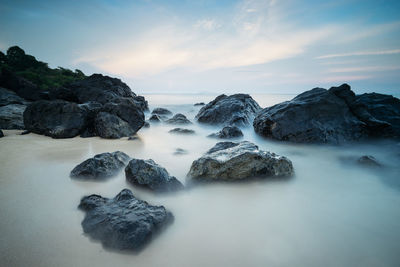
<point>161,111</point>
<point>151,175</point>
<point>181,131</point>
<point>199,104</point>
<point>141,102</point>
<point>180,151</point>
<point>368,161</point>
<point>1,134</point>
<point>133,138</point>
<point>228,132</point>
<point>101,166</point>
<point>238,109</point>
<point>112,127</point>
<point>146,124</point>
<point>315,116</point>
<point>179,119</point>
<point>124,222</point>
<point>234,161</point>
<point>25,132</point>
<point>22,87</point>
<point>332,116</point>
<point>12,116</point>
<point>8,97</point>
<point>154,118</point>
<point>58,119</point>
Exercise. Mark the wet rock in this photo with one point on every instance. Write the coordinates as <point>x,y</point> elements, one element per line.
<point>146,124</point>
<point>228,132</point>
<point>149,174</point>
<point>161,111</point>
<point>58,119</point>
<point>179,119</point>
<point>101,166</point>
<point>234,161</point>
<point>154,118</point>
<point>180,151</point>
<point>112,127</point>
<point>25,132</point>
<point>124,222</point>
<point>332,116</point>
<point>12,116</point>
<point>181,131</point>
<point>199,104</point>
<point>238,110</point>
<point>368,161</point>
<point>8,97</point>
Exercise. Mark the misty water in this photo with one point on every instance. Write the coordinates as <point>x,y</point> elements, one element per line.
<point>333,212</point>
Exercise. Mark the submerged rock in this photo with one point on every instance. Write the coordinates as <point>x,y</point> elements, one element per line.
<point>331,116</point>
<point>101,166</point>
<point>181,131</point>
<point>234,161</point>
<point>146,124</point>
<point>154,118</point>
<point>228,132</point>
<point>238,109</point>
<point>179,119</point>
<point>161,111</point>
<point>151,175</point>
<point>124,222</point>
<point>368,161</point>
<point>180,151</point>
<point>199,104</point>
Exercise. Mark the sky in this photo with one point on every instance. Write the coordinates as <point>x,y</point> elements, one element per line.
<point>215,46</point>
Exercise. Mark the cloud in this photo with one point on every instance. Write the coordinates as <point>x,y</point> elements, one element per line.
<point>362,53</point>
<point>207,24</point>
<point>364,69</point>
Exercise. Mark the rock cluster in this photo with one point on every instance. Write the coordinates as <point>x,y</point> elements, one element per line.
<point>228,132</point>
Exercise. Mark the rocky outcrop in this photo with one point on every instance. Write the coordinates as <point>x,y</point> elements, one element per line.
<point>235,161</point>
<point>101,166</point>
<point>331,116</point>
<point>238,110</point>
<point>58,119</point>
<point>181,131</point>
<point>179,119</point>
<point>149,174</point>
<point>111,127</point>
<point>12,108</point>
<point>123,222</point>
<point>8,97</point>
<point>161,111</point>
<point>228,132</point>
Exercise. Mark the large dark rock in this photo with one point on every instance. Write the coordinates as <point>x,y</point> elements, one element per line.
<point>11,116</point>
<point>58,119</point>
<point>112,127</point>
<point>238,109</point>
<point>178,119</point>
<point>235,161</point>
<point>101,166</point>
<point>124,222</point>
<point>151,175</point>
<point>331,116</point>
<point>8,97</point>
<point>228,132</point>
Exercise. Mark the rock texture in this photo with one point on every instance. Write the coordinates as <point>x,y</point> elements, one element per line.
<point>234,161</point>
<point>179,119</point>
<point>238,110</point>
<point>124,222</point>
<point>181,131</point>
<point>154,118</point>
<point>149,174</point>
<point>101,166</point>
<point>12,108</point>
<point>228,132</point>
<point>331,116</point>
<point>161,111</point>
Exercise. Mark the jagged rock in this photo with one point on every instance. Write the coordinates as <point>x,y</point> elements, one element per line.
<point>112,127</point>
<point>101,166</point>
<point>238,109</point>
<point>58,119</point>
<point>11,116</point>
<point>154,118</point>
<point>141,102</point>
<point>161,111</point>
<point>181,131</point>
<point>151,175</point>
<point>179,119</point>
<point>331,116</point>
<point>124,222</point>
<point>368,161</point>
<point>234,161</point>
<point>228,132</point>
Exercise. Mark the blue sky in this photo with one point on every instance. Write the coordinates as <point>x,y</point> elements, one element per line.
<point>252,46</point>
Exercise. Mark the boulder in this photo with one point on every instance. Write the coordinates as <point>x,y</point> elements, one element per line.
<point>123,222</point>
<point>331,116</point>
<point>161,111</point>
<point>236,161</point>
<point>112,127</point>
<point>238,109</point>
<point>12,116</point>
<point>181,131</point>
<point>58,119</point>
<point>154,118</point>
<point>101,166</point>
<point>149,174</point>
<point>228,132</point>
<point>179,119</point>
